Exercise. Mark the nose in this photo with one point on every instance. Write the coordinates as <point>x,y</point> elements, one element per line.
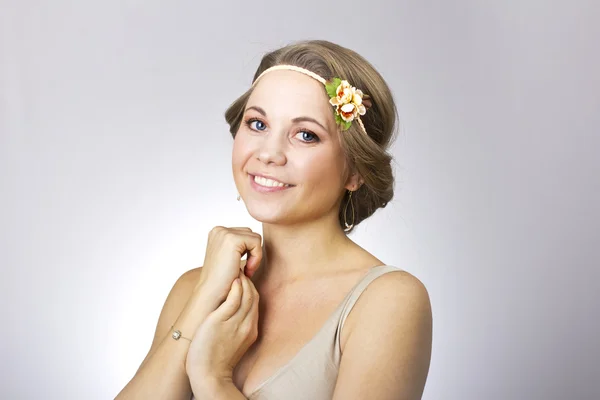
<point>271,150</point>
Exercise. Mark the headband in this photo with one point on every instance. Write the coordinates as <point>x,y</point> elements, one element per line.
<point>348,102</point>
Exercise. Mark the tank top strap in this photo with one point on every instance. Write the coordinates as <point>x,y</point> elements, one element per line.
<point>355,293</point>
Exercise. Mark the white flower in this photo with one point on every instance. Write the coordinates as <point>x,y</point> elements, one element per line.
<point>344,94</point>
<point>347,111</point>
<point>348,102</point>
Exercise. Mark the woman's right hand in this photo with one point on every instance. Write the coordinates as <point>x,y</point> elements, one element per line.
<point>224,251</point>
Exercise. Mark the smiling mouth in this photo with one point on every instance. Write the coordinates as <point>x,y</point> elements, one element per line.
<point>269,183</point>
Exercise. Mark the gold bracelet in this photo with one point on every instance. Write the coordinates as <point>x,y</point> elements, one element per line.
<point>177,334</point>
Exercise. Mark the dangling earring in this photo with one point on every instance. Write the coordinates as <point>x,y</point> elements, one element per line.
<point>349,227</point>
<point>239,197</point>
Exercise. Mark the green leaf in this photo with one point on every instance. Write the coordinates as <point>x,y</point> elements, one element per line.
<point>338,119</point>
<point>332,86</point>
<point>343,124</point>
<point>330,90</point>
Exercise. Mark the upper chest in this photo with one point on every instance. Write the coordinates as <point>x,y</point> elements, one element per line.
<point>288,320</point>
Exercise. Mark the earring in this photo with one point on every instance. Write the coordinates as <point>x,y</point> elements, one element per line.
<point>239,197</point>
<point>348,227</point>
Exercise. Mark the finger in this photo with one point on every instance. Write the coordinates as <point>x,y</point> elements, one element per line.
<point>247,299</point>
<point>232,302</point>
<point>250,322</point>
<point>241,228</point>
<point>253,311</point>
<point>247,243</point>
<point>254,252</point>
<point>255,293</point>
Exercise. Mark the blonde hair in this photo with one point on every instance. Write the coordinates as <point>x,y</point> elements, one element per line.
<point>367,155</point>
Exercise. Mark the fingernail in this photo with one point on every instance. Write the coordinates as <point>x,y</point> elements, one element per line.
<point>237,280</point>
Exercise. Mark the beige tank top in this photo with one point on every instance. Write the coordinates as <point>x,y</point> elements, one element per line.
<point>312,372</point>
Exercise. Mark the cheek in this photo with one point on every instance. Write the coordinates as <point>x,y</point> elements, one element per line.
<point>240,152</point>
<point>322,168</point>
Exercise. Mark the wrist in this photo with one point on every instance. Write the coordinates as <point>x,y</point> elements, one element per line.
<point>192,316</point>
<point>207,387</point>
<point>207,295</point>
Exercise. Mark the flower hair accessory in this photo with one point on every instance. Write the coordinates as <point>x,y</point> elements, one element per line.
<point>349,102</point>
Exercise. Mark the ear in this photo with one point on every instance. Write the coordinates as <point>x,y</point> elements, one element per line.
<point>354,181</point>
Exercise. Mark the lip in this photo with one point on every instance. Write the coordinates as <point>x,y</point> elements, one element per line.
<point>265,189</point>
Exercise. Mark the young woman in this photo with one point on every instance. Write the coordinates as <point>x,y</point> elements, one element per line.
<point>309,314</point>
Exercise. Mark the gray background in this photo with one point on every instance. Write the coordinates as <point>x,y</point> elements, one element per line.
<point>115,164</point>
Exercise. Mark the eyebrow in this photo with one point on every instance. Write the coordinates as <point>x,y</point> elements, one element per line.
<point>297,119</point>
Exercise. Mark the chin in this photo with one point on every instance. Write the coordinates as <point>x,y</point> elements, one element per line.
<point>266,215</point>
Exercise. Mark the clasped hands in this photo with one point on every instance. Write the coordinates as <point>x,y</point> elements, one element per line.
<point>226,333</point>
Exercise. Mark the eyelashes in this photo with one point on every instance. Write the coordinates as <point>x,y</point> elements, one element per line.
<point>250,123</point>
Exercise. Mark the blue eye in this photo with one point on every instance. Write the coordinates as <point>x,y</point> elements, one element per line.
<point>256,124</point>
<point>260,125</point>
<point>309,137</point>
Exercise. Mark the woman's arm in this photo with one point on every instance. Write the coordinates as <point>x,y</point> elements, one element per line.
<point>196,294</point>
<point>162,374</point>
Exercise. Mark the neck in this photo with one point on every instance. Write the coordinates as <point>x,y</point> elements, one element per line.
<point>302,251</point>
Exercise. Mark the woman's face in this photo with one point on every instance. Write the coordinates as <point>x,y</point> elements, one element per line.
<point>288,133</point>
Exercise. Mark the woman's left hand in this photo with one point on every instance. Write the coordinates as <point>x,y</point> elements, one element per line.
<point>225,335</point>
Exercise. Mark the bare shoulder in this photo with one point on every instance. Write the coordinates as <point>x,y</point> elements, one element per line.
<point>397,296</point>
<point>398,285</point>
<point>391,292</point>
<point>391,333</point>
<point>394,295</point>
<point>188,278</point>
<point>181,291</point>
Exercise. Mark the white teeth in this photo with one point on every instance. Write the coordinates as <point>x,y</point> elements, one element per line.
<point>268,182</point>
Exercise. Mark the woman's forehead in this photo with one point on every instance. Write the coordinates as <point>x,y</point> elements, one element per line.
<point>292,92</point>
